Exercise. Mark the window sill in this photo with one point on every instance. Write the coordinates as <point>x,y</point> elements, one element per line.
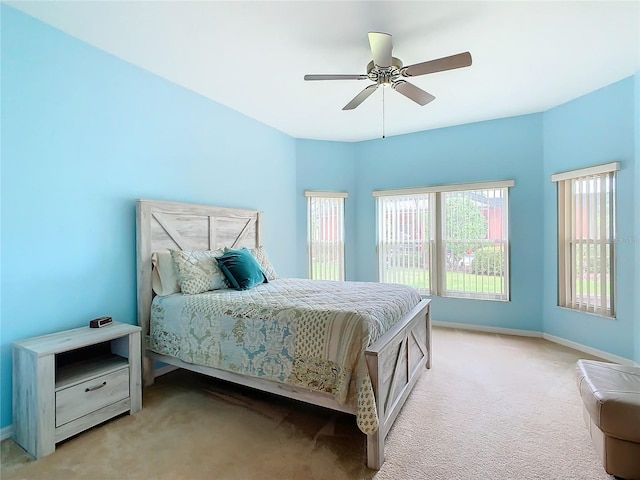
<point>593,314</point>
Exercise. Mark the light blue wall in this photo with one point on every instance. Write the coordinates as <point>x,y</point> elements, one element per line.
<point>326,166</point>
<point>83,136</point>
<point>591,130</point>
<point>508,149</point>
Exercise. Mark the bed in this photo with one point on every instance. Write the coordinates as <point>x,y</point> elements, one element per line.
<point>372,340</point>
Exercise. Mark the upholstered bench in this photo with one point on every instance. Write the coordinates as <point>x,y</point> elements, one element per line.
<point>611,396</point>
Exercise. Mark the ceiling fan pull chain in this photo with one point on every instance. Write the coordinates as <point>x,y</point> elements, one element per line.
<point>383,89</point>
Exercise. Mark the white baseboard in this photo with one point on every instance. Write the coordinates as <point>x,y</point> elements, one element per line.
<point>551,338</point>
<point>482,328</point>
<point>6,432</point>
<point>591,351</point>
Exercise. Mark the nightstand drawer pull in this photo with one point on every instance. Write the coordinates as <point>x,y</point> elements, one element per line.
<point>93,389</point>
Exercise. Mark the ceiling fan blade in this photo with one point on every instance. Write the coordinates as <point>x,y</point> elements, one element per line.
<point>361,97</point>
<point>381,47</point>
<point>335,77</point>
<point>441,64</point>
<point>412,92</point>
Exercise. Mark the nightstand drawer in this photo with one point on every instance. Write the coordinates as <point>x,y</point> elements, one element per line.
<point>86,397</point>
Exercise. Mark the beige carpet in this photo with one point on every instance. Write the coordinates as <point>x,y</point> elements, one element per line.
<point>492,407</point>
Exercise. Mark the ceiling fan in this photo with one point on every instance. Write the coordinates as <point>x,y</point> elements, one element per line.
<point>386,69</point>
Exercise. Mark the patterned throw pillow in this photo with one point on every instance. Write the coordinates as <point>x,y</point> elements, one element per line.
<point>263,259</point>
<point>198,272</point>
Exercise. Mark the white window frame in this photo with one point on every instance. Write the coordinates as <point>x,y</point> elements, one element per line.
<point>437,255</point>
<point>332,250</point>
<point>597,206</point>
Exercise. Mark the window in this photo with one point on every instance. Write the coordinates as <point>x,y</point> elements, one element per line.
<point>475,243</point>
<point>586,236</point>
<point>325,235</point>
<point>450,241</point>
<point>405,240</point>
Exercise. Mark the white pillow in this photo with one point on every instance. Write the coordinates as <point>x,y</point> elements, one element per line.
<point>198,272</point>
<point>164,279</point>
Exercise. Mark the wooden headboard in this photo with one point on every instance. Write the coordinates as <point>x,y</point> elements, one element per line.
<point>184,226</point>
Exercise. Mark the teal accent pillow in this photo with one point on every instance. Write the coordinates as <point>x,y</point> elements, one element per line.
<point>241,269</point>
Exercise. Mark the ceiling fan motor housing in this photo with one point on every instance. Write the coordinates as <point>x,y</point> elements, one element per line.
<point>384,75</point>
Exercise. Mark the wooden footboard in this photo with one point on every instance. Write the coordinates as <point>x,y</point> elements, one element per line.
<point>395,362</point>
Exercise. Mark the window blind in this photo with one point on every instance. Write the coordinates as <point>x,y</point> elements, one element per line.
<point>325,227</point>
<point>586,239</point>
<point>405,240</point>
<point>476,244</point>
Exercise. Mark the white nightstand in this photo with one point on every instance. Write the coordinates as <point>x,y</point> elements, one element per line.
<point>69,381</point>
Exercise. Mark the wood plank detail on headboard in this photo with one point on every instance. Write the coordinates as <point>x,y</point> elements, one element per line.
<point>183,226</point>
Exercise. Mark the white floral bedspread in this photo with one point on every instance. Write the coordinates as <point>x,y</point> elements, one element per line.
<point>308,333</point>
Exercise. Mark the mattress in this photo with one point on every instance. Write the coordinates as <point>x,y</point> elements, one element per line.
<point>306,333</point>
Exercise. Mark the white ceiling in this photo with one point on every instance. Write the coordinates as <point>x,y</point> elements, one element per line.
<point>528,56</point>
